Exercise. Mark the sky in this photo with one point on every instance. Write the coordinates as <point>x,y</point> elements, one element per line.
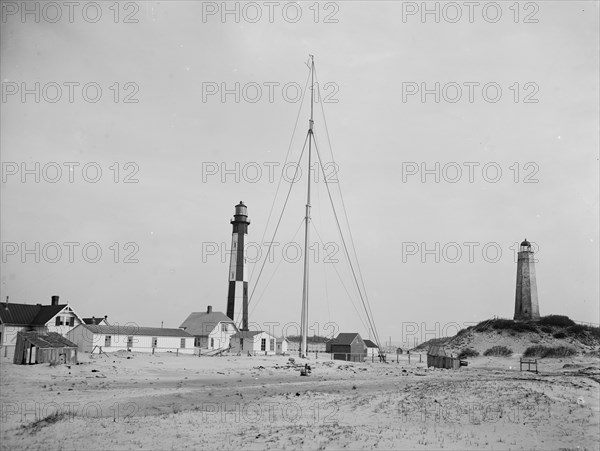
<point>129,133</point>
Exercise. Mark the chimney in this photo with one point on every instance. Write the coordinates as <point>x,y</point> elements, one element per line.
<point>6,305</point>
<point>209,309</point>
<point>54,300</point>
<point>94,320</point>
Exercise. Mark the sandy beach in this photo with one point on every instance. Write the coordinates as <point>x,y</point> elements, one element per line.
<point>163,401</point>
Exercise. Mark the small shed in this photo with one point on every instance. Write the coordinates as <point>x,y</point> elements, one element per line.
<point>253,342</point>
<point>372,349</point>
<point>348,346</point>
<point>281,346</point>
<point>38,347</point>
<point>438,358</point>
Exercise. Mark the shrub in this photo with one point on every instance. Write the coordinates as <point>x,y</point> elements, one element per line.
<point>547,351</point>
<point>468,352</point>
<point>556,320</point>
<point>498,351</point>
<point>516,326</point>
<point>559,335</point>
<point>580,329</point>
<point>546,329</point>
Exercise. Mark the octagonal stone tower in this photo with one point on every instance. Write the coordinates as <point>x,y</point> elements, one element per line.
<point>526,298</point>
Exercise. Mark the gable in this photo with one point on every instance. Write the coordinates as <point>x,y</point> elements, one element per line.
<point>202,323</point>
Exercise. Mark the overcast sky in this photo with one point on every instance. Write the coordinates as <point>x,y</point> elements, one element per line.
<point>138,93</point>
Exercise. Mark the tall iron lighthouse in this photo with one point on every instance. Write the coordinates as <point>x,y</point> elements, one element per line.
<point>237,296</point>
<point>526,298</point>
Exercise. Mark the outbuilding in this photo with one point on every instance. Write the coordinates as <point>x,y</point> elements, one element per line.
<point>348,346</point>
<point>39,347</point>
<point>282,346</point>
<point>253,342</point>
<point>96,338</point>
<point>372,350</point>
<point>438,358</point>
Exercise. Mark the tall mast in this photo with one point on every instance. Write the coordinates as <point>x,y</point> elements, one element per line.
<point>304,319</point>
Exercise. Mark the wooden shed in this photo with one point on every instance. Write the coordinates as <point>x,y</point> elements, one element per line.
<point>437,358</point>
<point>39,347</point>
<point>348,346</point>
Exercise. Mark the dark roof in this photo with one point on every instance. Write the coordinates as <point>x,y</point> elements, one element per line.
<point>200,324</point>
<point>370,344</point>
<point>135,330</point>
<point>345,338</point>
<point>92,320</point>
<point>525,243</point>
<point>46,313</point>
<point>47,340</point>
<point>436,351</point>
<point>28,314</point>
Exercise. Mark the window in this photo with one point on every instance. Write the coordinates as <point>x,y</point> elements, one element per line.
<point>182,345</point>
<point>212,342</point>
<point>154,342</point>
<point>59,321</point>
<point>107,341</point>
<point>223,327</point>
<point>272,348</point>
<point>72,321</point>
<point>263,344</point>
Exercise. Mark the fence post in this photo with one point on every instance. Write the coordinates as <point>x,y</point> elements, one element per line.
<point>409,358</point>
<point>420,358</point>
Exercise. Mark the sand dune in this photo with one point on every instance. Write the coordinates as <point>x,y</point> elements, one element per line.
<point>185,402</point>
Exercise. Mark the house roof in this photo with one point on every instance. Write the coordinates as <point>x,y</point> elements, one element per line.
<point>436,350</point>
<point>370,344</point>
<point>345,338</point>
<point>135,330</point>
<point>29,314</point>
<point>200,324</point>
<point>92,320</point>
<point>47,340</point>
<point>249,333</point>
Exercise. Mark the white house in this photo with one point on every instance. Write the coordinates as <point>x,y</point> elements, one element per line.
<point>95,338</point>
<point>16,317</point>
<point>372,350</point>
<point>254,342</point>
<point>211,330</point>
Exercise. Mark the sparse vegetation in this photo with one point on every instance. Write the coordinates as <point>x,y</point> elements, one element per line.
<point>468,352</point>
<point>498,351</point>
<point>556,320</point>
<point>549,351</point>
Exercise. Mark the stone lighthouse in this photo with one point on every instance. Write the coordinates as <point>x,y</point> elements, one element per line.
<point>526,298</point>
<point>237,296</point>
